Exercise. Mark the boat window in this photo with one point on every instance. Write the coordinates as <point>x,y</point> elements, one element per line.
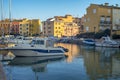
<point>49,43</point>
<point>40,42</point>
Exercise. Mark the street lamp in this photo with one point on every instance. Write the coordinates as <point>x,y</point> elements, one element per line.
<point>94,33</point>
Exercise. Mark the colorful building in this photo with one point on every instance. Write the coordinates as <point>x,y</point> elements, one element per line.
<point>14,28</point>
<point>79,22</point>
<point>24,27</point>
<point>34,27</point>
<point>56,26</point>
<point>5,27</point>
<point>71,29</point>
<point>100,17</point>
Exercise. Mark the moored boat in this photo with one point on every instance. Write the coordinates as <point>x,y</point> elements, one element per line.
<point>89,42</point>
<point>107,42</point>
<point>37,47</point>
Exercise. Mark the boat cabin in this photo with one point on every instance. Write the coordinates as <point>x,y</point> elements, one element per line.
<point>44,42</point>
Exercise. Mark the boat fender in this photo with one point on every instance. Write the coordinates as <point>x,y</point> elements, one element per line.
<point>32,45</point>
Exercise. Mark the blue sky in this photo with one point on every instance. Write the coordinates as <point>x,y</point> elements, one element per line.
<point>43,9</point>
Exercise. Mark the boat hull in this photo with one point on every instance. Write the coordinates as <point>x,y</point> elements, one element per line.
<point>89,43</point>
<point>107,45</point>
<point>34,53</point>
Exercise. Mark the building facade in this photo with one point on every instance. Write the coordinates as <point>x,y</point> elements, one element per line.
<point>71,29</point>
<point>100,17</point>
<point>116,20</point>
<point>24,27</point>
<point>57,26</point>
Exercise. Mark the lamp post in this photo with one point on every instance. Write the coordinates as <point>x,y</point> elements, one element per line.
<point>94,33</point>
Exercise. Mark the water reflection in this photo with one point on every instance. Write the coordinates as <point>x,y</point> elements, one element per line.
<point>73,51</point>
<point>99,62</point>
<point>6,55</point>
<point>36,64</point>
<point>82,63</point>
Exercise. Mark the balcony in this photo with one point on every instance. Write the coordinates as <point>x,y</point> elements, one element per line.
<point>117,27</point>
<point>105,23</point>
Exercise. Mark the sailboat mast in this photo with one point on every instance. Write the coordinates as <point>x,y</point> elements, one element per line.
<point>10,10</point>
<point>10,16</point>
<point>2,27</point>
<point>1,10</point>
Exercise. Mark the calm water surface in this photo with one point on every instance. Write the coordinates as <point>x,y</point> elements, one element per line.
<point>82,63</point>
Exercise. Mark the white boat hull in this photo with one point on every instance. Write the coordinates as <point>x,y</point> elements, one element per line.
<point>32,53</point>
<point>107,45</point>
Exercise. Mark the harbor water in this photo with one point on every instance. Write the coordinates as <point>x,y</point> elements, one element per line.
<point>81,63</point>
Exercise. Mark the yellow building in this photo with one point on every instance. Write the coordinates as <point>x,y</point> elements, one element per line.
<point>29,27</point>
<point>56,26</point>
<point>24,27</point>
<point>99,17</point>
<point>71,29</point>
<point>4,27</point>
<point>34,27</point>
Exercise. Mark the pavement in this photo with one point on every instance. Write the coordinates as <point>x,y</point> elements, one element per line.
<point>2,73</point>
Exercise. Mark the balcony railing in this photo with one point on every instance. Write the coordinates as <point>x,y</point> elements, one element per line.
<point>104,23</point>
<point>117,27</point>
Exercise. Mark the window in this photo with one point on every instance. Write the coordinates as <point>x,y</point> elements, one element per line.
<point>85,19</point>
<point>20,24</point>
<point>102,18</point>
<point>49,31</point>
<point>94,11</point>
<point>88,19</point>
<point>26,24</point>
<point>108,18</point>
<point>109,11</point>
<point>87,28</point>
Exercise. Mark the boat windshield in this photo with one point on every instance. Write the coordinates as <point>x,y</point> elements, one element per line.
<point>40,42</point>
<point>49,43</point>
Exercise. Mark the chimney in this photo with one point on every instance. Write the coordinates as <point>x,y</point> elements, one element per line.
<point>116,5</point>
<point>106,4</point>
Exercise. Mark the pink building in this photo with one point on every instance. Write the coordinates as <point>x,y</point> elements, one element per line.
<point>14,27</point>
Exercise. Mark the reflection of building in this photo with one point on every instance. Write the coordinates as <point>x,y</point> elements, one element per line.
<point>2,74</point>
<point>73,50</point>
<point>97,65</point>
<point>102,17</point>
<point>116,66</point>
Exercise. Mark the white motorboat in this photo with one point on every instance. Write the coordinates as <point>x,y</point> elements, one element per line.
<point>37,47</point>
<point>107,42</point>
<point>89,42</point>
